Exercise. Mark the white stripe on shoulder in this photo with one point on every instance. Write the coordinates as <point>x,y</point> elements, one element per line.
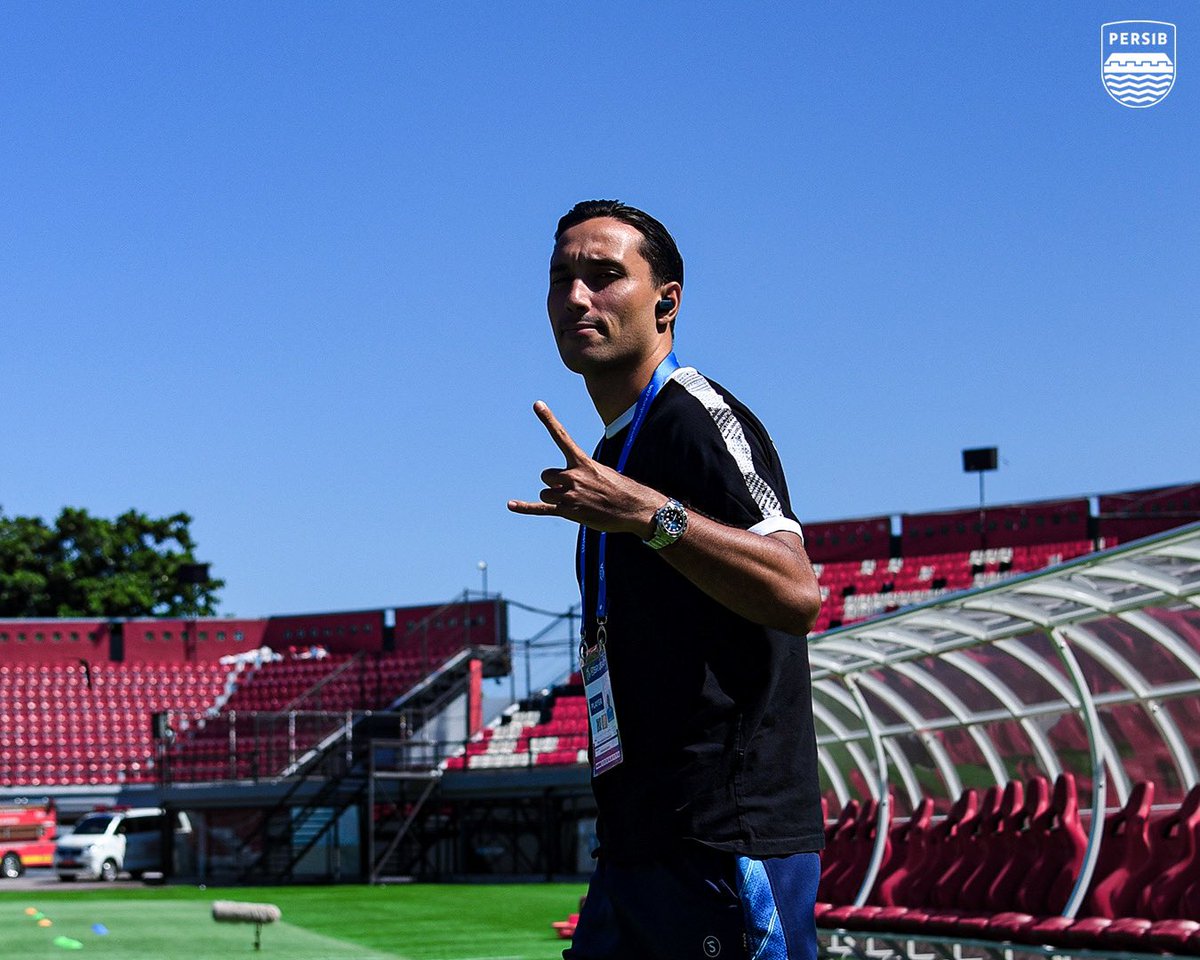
<point>779,524</point>
<point>731,431</point>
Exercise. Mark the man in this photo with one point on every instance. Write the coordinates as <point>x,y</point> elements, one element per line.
<point>697,595</point>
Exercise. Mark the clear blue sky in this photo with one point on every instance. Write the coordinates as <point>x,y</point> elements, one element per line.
<point>283,265</point>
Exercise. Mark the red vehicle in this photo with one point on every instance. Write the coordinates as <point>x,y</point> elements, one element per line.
<point>27,831</point>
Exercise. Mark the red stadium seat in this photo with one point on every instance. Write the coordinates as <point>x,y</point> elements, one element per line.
<point>909,843</point>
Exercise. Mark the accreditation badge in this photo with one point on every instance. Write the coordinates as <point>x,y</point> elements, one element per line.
<point>602,717</point>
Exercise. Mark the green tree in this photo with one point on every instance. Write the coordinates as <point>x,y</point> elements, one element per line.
<point>84,566</point>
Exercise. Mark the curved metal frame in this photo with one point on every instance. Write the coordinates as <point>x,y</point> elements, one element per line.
<point>1013,704</point>
<point>1099,778</point>
<point>885,796</point>
<point>1058,603</point>
<point>835,726</point>
<point>1133,680</point>
<point>935,748</point>
<point>840,788</point>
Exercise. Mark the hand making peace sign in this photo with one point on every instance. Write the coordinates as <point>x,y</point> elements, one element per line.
<point>588,492</point>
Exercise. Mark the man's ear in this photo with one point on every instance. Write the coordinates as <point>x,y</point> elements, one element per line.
<point>669,297</point>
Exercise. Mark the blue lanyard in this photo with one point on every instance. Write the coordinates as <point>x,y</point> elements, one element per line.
<point>661,375</point>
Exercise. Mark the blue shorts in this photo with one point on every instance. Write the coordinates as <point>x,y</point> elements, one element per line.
<point>700,904</point>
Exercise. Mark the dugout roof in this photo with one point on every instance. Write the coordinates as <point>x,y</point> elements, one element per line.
<point>1091,667</point>
<point>1095,660</point>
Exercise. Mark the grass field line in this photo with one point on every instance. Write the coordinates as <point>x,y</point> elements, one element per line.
<point>343,922</point>
<point>490,958</point>
<point>138,930</point>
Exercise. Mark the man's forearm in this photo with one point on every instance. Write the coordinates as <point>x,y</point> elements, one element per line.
<point>766,579</point>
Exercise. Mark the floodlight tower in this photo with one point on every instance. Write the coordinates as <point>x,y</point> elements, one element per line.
<point>980,460</point>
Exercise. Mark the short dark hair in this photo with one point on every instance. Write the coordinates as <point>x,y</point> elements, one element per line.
<point>658,246</point>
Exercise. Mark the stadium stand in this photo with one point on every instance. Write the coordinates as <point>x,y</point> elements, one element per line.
<point>1142,513</point>
<point>280,710</point>
<point>338,682</point>
<point>78,698</point>
<point>856,590</point>
<point>1015,525</point>
<point>77,723</point>
<point>547,730</point>
<point>841,541</point>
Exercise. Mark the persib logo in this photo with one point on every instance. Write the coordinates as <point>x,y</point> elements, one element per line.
<point>1137,60</point>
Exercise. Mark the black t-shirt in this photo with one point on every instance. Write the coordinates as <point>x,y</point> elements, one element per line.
<point>714,712</point>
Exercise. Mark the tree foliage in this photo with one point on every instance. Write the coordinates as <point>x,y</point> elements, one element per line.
<point>84,566</point>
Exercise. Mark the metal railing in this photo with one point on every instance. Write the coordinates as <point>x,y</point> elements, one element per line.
<point>269,745</point>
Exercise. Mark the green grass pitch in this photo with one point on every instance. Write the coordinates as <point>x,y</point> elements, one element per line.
<point>410,922</point>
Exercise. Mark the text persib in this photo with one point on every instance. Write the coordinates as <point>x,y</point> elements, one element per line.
<point>1118,39</point>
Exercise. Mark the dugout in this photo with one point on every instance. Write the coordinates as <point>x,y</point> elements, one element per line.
<point>1091,667</point>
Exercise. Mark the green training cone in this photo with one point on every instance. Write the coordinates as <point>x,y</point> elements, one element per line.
<point>67,943</point>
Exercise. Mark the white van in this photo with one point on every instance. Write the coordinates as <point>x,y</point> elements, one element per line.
<point>106,842</point>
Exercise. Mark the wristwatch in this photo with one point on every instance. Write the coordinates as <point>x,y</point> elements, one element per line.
<point>670,523</point>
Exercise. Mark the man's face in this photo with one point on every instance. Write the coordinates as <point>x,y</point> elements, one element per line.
<point>602,297</point>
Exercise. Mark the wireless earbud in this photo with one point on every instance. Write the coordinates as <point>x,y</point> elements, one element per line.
<point>664,306</point>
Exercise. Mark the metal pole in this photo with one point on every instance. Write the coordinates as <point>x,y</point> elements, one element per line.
<point>335,852</point>
<point>369,853</point>
<point>982,516</point>
<point>231,719</point>
<point>883,816</point>
<point>572,642</point>
<point>1091,721</point>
